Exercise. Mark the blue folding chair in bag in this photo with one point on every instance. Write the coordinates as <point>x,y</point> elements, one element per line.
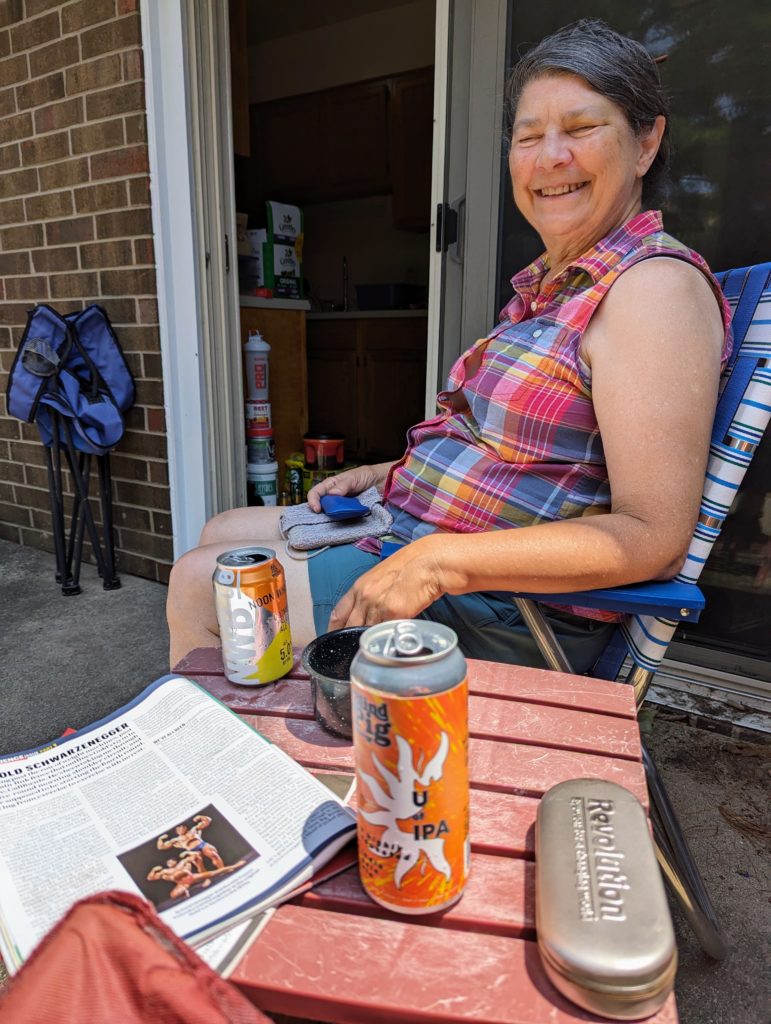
<point>71,378</point>
<point>653,610</point>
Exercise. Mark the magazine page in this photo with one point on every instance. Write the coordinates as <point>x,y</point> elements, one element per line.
<point>172,797</point>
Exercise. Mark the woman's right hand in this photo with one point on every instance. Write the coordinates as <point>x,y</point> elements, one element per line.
<point>350,481</point>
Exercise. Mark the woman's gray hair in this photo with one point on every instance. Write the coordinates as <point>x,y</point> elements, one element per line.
<point>615,66</point>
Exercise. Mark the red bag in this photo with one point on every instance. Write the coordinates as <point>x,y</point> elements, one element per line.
<point>111,959</point>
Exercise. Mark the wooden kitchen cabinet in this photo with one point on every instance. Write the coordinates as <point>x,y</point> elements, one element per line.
<point>284,330</point>
<point>410,133</point>
<point>366,380</point>
<point>324,145</point>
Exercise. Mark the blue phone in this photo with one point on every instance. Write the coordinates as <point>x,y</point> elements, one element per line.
<point>337,506</point>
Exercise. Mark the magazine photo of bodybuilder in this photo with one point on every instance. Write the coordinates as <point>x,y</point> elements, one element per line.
<point>188,858</point>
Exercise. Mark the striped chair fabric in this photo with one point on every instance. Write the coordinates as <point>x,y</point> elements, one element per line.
<point>743,412</point>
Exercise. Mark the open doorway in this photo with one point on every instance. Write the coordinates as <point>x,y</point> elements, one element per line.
<point>333,114</point>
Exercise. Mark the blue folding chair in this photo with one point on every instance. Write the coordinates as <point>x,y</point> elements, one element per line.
<point>653,610</point>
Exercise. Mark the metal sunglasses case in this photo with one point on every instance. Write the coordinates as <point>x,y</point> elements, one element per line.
<point>604,931</point>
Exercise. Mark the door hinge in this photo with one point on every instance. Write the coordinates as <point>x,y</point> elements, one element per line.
<point>446,226</point>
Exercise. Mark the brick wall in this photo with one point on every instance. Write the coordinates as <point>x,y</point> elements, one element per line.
<point>75,227</point>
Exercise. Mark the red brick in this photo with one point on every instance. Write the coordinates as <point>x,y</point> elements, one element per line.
<point>7,106</point>
<point>134,281</point>
<point>94,137</point>
<point>13,514</point>
<point>146,544</point>
<point>114,35</point>
<point>10,157</point>
<point>141,443</point>
<point>66,172</point>
<point>120,163</point>
<point>150,392</point>
<point>107,196</point>
<point>20,183</point>
<point>144,495</point>
<point>41,541</point>
<point>137,565</point>
<point>123,467</point>
<point>11,11</point>
<point>13,472</point>
<point>85,13</point>
<point>60,54</point>
<point>44,149</point>
<point>144,251</point>
<point>53,204</point>
<point>12,211</point>
<point>159,472</point>
<point>136,129</point>
<point>124,223</point>
<point>106,254</point>
<point>139,339</point>
<point>14,263</point>
<point>151,366</point>
<point>120,311</point>
<point>139,191</point>
<point>35,7</point>
<point>35,476</point>
<point>14,129</point>
<point>55,258</point>
<point>59,115</point>
<point>10,428</point>
<point>95,74</point>
<point>162,524</point>
<point>127,6</point>
<point>122,99</point>
<point>133,65</point>
<point>70,286</point>
<point>13,314</point>
<point>130,518</point>
<point>24,236</point>
<point>26,288</point>
<point>64,232</point>
<point>13,70</point>
<point>35,32</point>
<point>30,454</point>
<point>156,421</point>
<point>148,311</point>
<point>42,521</point>
<point>5,43</point>
<point>40,91</point>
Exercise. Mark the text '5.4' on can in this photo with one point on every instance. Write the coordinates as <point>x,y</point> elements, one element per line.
<point>410,731</point>
<point>251,602</point>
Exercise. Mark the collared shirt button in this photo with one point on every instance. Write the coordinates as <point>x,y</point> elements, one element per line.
<point>537,334</point>
<point>534,305</point>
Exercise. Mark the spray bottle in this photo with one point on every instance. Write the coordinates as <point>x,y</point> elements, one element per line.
<point>257,351</point>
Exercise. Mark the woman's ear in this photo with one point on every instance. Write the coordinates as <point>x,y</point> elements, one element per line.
<point>649,145</point>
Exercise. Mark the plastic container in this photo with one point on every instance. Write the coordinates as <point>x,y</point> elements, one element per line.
<point>260,448</point>
<point>258,417</point>
<point>256,353</point>
<point>262,483</point>
<point>324,451</point>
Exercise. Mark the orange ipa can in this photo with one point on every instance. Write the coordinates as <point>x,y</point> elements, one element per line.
<point>250,598</point>
<point>409,694</point>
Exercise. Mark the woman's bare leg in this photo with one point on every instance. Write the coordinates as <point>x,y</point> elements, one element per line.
<point>190,604</point>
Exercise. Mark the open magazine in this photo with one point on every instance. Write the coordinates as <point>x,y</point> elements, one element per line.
<point>172,797</point>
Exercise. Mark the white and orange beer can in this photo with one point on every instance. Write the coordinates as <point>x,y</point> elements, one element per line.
<point>409,693</point>
<point>251,602</point>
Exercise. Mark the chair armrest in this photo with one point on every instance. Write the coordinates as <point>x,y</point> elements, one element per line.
<point>667,600</point>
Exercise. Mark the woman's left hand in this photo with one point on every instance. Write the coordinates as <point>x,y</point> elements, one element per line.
<point>399,587</point>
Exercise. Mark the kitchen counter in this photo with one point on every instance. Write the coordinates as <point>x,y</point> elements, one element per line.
<point>367,314</point>
<point>254,302</point>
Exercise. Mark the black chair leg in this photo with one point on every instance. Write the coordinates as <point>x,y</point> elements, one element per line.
<point>679,868</point>
<point>64,576</point>
<point>81,490</point>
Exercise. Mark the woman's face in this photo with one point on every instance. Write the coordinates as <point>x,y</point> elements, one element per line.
<point>576,166</point>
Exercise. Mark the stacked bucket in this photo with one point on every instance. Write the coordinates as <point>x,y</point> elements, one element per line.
<point>261,466</point>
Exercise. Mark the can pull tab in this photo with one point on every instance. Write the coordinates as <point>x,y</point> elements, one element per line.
<point>404,642</point>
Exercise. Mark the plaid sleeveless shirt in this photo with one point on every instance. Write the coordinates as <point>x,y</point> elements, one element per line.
<point>516,441</point>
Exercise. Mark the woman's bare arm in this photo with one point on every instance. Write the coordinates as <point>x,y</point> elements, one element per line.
<point>654,346</point>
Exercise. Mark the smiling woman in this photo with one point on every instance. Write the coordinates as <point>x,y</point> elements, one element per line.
<point>570,444</point>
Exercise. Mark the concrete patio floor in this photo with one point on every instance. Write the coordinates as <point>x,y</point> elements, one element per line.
<point>69,660</point>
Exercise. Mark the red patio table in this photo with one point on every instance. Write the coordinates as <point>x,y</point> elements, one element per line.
<point>334,955</point>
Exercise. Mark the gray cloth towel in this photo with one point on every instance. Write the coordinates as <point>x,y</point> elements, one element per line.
<point>305,529</point>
